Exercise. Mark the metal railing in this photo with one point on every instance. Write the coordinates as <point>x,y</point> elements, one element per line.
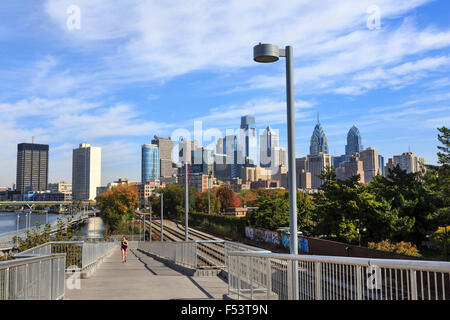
<point>39,272</point>
<point>197,253</point>
<point>256,275</point>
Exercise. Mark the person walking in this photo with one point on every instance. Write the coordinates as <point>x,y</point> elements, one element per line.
<point>124,246</point>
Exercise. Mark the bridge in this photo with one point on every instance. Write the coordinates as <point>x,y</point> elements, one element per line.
<point>6,239</point>
<point>210,268</point>
<point>45,203</point>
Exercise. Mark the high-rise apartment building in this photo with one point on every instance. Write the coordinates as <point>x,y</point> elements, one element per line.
<point>319,142</point>
<point>150,168</point>
<point>32,167</point>
<point>86,172</point>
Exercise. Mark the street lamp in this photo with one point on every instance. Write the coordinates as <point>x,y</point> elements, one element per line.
<point>161,195</point>
<point>266,53</point>
<point>209,193</point>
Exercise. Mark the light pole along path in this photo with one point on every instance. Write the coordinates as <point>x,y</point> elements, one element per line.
<point>266,53</point>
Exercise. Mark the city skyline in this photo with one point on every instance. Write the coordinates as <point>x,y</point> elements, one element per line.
<point>99,83</point>
<point>237,139</point>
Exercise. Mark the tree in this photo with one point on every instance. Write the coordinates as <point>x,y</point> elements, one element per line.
<point>248,197</point>
<point>272,212</point>
<point>202,202</point>
<point>117,206</point>
<point>347,211</point>
<point>227,198</point>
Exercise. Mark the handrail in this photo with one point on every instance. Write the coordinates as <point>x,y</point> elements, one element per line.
<point>436,266</point>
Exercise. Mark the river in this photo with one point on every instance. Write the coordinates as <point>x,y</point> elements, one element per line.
<point>92,229</point>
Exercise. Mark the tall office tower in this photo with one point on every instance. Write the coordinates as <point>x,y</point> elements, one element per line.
<point>338,160</point>
<point>409,162</point>
<point>203,161</point>
<point>220,146</point>
<point>381,164</point>
<point>352,167</point>
<point>151,169</point>
<point>301,164</point>
<point>235,157</point>
<point>268,142</point>
<point>304,180</point>
<point>32,167</point>
<point>354,143</point>
<point>165,146</point>
<point>248,131</point>
<point>185,151</point>
<point>86,172</point>
<point>319,142</point>
<point>371,163</point>
<point>316,164</point>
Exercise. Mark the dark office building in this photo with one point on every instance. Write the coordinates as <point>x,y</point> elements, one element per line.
<point>32,167</point>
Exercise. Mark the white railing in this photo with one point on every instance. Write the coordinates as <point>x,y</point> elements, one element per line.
<point>256,275</point>
<point>197,253</point>
<point>39,273</point>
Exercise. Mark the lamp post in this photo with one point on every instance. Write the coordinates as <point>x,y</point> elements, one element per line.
<point>209,193</point>
<point>186,204</point>
<point>266,53</point>
<point>161,195</point>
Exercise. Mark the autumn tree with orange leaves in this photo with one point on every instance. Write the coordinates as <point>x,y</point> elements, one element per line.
<point>117,206</point>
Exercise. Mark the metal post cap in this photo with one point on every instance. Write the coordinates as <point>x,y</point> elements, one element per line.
<point>265,52</point>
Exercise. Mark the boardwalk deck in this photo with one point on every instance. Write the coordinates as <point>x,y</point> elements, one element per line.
<point>144,278</point>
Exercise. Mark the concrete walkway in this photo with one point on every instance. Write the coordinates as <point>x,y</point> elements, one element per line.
<point>144,278</point>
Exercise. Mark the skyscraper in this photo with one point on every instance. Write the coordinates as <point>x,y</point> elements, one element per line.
<point>408,162</point>
<point>354,143</point>
<point>319,142</point>
<point>317,162</point>
<point>150,163</point>
<point>165,146</point>
<point>352,167</point>
<point>249,140</point>
<point>32,167</point>
<point>86,172</point>
<point>371,163</point>
<point>268,142</point>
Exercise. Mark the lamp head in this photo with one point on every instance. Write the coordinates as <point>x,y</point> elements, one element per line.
<point>265,53</point>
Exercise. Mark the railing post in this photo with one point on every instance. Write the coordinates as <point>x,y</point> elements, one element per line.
<point>269,278</point>
<point>25,293</point>
<point>414,284</point>
<point>358,283</point>
<point>7,284</point>
<point>239,275</point>
<point>318,280</point>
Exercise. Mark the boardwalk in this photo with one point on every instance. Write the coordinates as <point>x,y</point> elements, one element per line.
<point>144,278</point>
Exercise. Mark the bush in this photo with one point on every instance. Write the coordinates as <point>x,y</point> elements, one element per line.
<point>402,247</point>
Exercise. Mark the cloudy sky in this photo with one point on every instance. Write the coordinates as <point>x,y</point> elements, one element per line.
<point>129,69</point>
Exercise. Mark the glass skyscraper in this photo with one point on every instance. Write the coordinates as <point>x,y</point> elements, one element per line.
<point>319,142</point>
<point>354,143</point>
<point>150,163</point>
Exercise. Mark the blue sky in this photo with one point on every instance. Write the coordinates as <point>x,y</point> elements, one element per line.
<point>138,68</point>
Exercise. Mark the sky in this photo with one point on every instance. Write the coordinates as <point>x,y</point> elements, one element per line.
<point>115,73</point>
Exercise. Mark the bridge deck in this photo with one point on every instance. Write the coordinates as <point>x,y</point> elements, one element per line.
<point>144,278</point>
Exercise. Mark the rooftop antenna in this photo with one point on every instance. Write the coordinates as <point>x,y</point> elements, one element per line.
<point>318,121</point>
<point>409,148</point>
<point>32,139</point>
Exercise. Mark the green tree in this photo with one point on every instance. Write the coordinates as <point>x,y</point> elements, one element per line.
<point>347,211</point>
